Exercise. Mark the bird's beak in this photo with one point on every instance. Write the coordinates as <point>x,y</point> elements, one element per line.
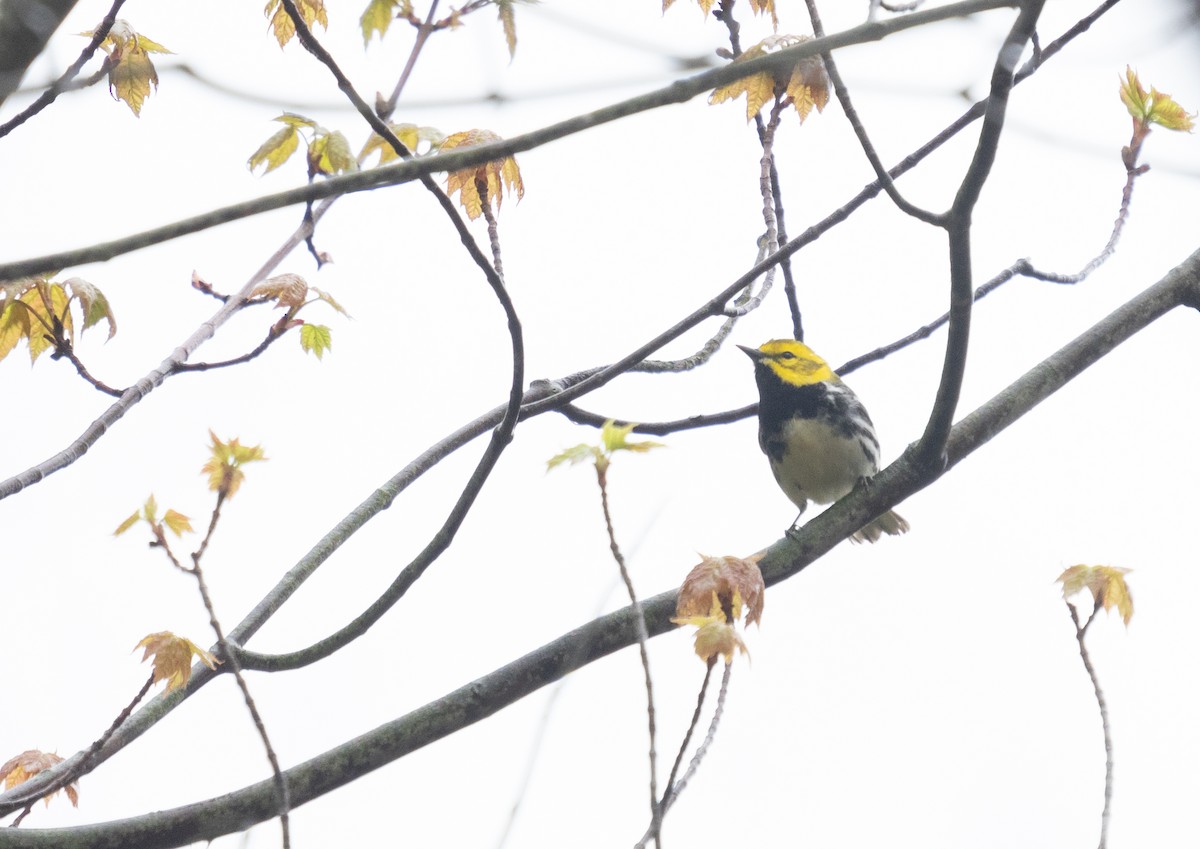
<point>752,353</point>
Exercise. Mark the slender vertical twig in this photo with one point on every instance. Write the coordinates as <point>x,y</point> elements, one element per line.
<point>1080,637</point>
<point>643,637</point>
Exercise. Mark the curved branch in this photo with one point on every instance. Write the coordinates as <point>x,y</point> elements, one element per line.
<point>958,227</point>
<point>481,698</point>
<point>389,175</point>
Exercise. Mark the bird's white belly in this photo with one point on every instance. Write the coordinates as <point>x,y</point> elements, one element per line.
<point>820,464</point>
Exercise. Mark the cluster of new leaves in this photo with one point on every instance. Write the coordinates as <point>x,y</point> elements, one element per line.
<point>225,462</point>
<point>486,184</point>
<point>713,598</point>
<point>328,150</point>
<point>802,86</point>
<point>613,438</point>
<point>171,520</point>
<point>1106,585</point>
<point>131,74</point>
<point>173,658</point>
<point>29,763</point>
<point>292,293</point>
<point>282,25</point>
<point>1153,107</point>
<point>39,311</point>
<point>757,6</point>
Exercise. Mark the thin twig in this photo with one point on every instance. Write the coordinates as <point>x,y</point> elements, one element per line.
<point>675,790</point>
<point>1080,637</point>
<point>407,171</point>
<point>669,787</point>
<point>860,131</point>
<point>643,637</point>
<point>230,658</point>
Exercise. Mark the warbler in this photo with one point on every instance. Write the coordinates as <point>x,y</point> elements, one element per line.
<point>814,430</point>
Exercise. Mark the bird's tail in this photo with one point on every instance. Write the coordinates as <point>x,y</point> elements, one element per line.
<point>891,523</point>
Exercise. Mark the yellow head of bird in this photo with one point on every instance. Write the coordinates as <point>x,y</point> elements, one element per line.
<point>791,361</point>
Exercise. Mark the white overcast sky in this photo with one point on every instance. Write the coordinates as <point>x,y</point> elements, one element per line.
<point>923,692</point>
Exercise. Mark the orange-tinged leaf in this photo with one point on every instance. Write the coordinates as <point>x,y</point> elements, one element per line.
<point>173,658</point>
<point>765,6</point>
<point>1106,584</point>
<point>733,581</point>
<point>714,635</point>
<point>705,5</point>
<point>377,18</point>
<point>806,82</point>
<point>316,339</point>
<point>287,290</point>
<point>483,184</point>
<point>29,763</point>
<point>177,522</point>
<point>276,150</point>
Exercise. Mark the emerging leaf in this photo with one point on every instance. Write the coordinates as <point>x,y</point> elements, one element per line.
<point>377,18</point>
<point>173,658</point>
<point>508,21</point>
<point>316,339</point>
<point>616,438</point>
<point>29,763</point>
<point>224,466</point>
<point>483,184</point>
<point>311,12</point>
<point>276,150</point>
<point>574,455</point>
<point>1153,108</point>
<point>128,523</point>
<point>131,74</point>
<point>1106,584</point>
<point>177,522</point>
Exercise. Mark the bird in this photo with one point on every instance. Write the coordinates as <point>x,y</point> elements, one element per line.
<point>815,432</point>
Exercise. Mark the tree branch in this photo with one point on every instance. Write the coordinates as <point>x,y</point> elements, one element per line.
<point>403,172</point>
<point>243,808</point>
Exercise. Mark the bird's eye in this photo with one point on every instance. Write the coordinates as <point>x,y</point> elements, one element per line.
<point>787,355</point>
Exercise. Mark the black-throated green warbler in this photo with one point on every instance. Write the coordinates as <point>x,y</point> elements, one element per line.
<point>814,430</point>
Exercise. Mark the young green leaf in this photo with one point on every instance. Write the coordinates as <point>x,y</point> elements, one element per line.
<point>316,339</point>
